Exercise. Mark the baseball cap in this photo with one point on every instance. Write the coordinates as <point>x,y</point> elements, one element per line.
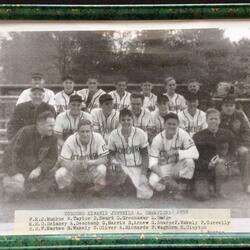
<point>104,98</point>
<point>228,99</point>
<point>191,97</point>
<point>37,76</point>
<point>75,98</point>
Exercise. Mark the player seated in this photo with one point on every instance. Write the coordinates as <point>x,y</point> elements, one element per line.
<point>159,114</point>
<point>121,97</point>
<point>106,118</point>
<point>149,98</point>
<point>238,124</point>
<point>26,113</point>
<point>29,157</point>
<point>37,80</point>
<point>192,119</point>
<point>91,95</point>
<point>82,160</point>
<point>62,97</point>
<point>177,102</point>
<point>128,148</point>
<point>67,121</point>
<point>216,150</point>
<point>172,156</point>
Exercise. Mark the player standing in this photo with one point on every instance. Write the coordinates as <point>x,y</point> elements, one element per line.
<point>149,98</point>
<point>121,97</point>
<point>67,121</point>
<point>192,119</point>
<point>128,147</point>
<point>62,97</point>
<point>92,94</point>
<point>106,118</point>
<point>172,156</point>
<point>177,102</point>
<point>37,80</point>
<point>83,158</point>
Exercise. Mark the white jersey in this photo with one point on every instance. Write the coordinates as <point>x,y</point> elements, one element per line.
<point>157,121</point>
<point>176,103</point>
<point>120,103</point>
<point>94,103</point>
<point>104,125</point>
<point>150,101</point>
<point>143,121</point>
<point>49,96</point>
<point>181,141</point>
<point>74,150</point>
<point>66,124</point>
<point>192,124</point>
<point>128,152</point>
<point>62,101</point>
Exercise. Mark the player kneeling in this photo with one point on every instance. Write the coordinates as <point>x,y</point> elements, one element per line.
<point>83,158</point>
<point>128,147</point>
<point>172,157</point>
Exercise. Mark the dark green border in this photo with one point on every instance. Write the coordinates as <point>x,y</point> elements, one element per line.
<point>156,12</point>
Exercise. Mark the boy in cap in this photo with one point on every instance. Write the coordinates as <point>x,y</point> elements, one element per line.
<point>149,98</point>
<point>67,121</point>
<point>37,80</point>
<point>236,122</point>
<point>26,113</point>
<point>106,118</point>
<point>172,156</point>
<point>121,97</point>
<point>192,119</point>
<point>62,97</point>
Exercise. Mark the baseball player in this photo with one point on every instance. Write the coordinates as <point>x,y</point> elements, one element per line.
<point>236,122</point>
<point>172,156</point>
<point>105,119</point>
<point>67,121</point>
<point>177,102</point>
<point>83,158</point>
<point>62,97</point>
<point>141,116</point>
<point>159,114</point>
<point>29,157</point>
<point>121,97</point>
<point>37,80</point>
<point>91,95</point>
<point>128,148</point>
<point>216,151</point>
<point>149,98</point>
<point>192,119</point>
<point>26,113</point>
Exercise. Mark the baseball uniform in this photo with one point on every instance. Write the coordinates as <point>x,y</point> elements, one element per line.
<point>49,96</point>
<point>150,101</point>
<point>94,103</point>
<point>104,125</point>
<point>66,124</point>
<point>177,103</point>
<point>74,150</point>
<point>181,165</point>
<point>62,101</point>
<point>120,103</point>
<point>143,121</point>
<point>157,121</point>
<point>128,153</point>
<point>192,124</point>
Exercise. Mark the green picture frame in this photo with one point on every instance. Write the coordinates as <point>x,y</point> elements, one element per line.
<point>125,12</point>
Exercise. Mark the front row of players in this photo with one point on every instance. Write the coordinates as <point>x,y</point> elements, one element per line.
<point>174,161</point>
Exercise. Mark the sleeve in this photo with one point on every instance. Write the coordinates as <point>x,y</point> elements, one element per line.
<point>58,129</point>
<point>154,152</point>
<point>102,147</point>
<point>144,139</point>
<point>51,98</point>
<point>189,150</point>
<point>181,120</point>
<point>22,98</point>
<point>15,123</point>
<point>204,122</point>
<point>66,153</point>
<point>183,103</point>
<point>94,118</point>
<point>50,160</point>
<point>111,142</point>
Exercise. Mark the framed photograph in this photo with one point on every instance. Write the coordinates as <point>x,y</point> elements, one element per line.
<point>124,126</point>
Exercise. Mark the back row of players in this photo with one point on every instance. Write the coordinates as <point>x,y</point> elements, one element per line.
<point>146,138</point>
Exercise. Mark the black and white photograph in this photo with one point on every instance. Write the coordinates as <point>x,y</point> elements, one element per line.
<point>120,115</point>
